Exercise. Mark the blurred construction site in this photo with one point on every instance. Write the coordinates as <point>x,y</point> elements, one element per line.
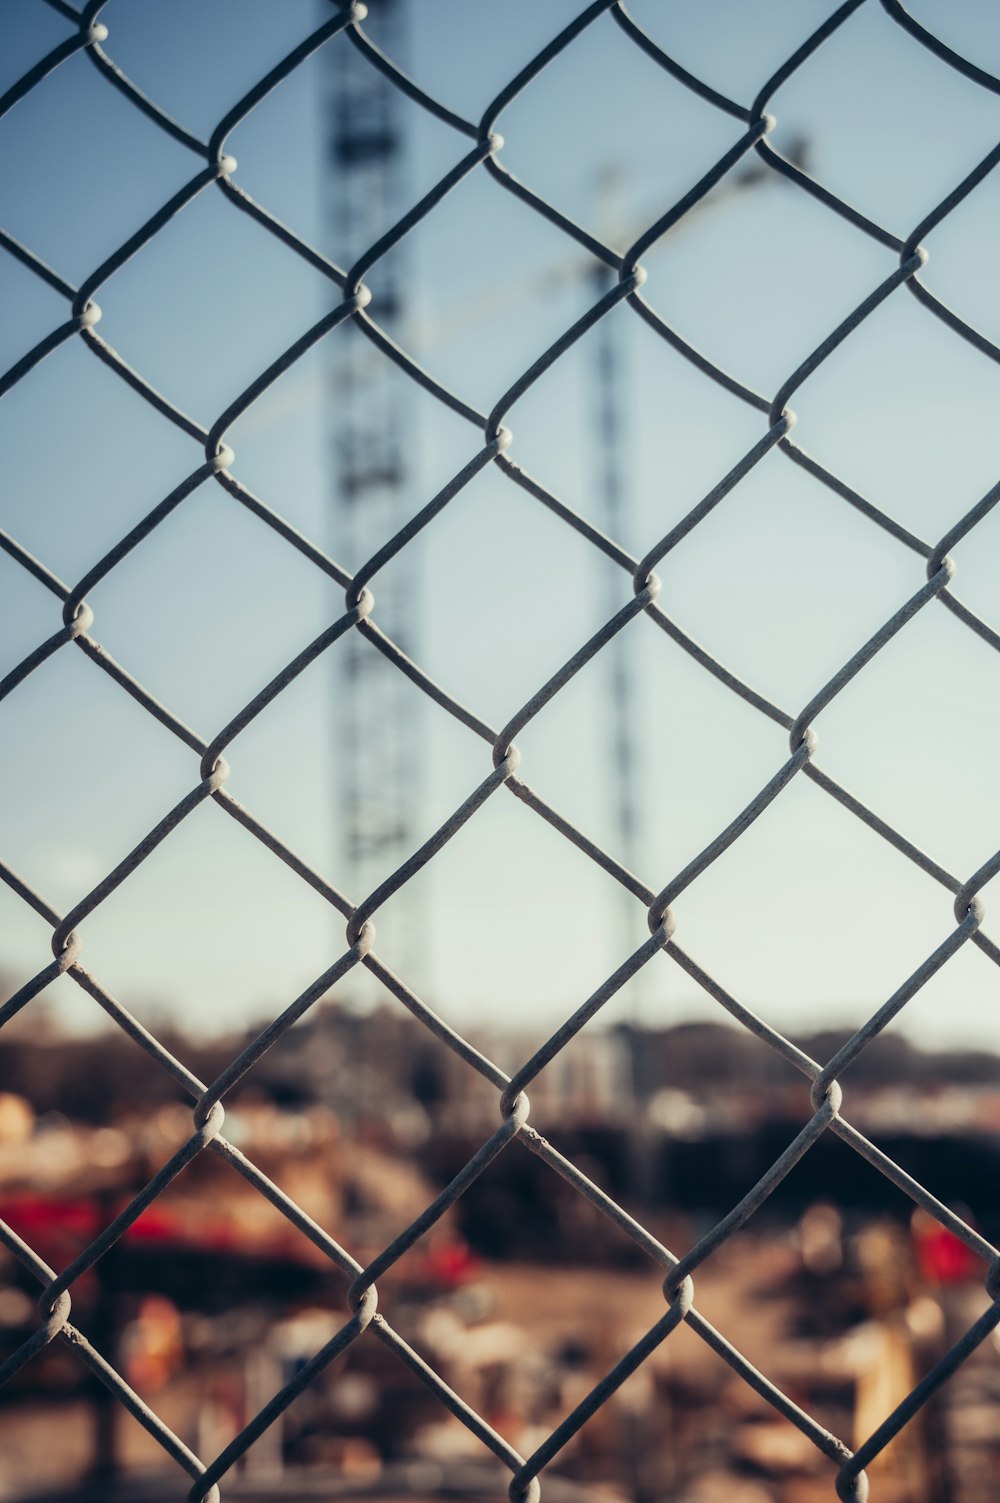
<point>522,1296</point>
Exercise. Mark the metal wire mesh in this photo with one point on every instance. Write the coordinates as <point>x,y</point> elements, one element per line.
<point>479,149</point>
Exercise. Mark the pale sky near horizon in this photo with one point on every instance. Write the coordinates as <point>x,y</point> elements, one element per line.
<point>810,918</point>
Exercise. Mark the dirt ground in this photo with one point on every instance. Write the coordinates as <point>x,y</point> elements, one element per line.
<point>48,1446</point>
<point>527,1343</point>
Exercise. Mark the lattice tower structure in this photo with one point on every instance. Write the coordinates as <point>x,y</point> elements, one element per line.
<point>610,466</point>
<point>375,766</point>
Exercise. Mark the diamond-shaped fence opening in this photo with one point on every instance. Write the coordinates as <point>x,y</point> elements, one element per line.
<point>744,267</point>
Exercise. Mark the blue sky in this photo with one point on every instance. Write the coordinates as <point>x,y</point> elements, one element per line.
<point>810,918</point>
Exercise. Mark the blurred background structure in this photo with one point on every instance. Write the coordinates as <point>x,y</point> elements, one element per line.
<point>496,431</point>
<point>379,779</point>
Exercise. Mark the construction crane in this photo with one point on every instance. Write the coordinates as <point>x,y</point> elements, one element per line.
<point>379,776</point>
<point>376,771</point>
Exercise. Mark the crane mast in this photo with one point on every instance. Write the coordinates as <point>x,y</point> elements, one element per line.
<point>375,765</point>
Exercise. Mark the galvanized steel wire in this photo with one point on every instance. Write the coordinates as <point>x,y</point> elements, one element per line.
<point>479,147</point>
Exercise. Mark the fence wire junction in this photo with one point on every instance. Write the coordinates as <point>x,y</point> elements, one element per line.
<point>479,147</point>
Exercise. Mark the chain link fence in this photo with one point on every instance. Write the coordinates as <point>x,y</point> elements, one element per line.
<point>479,149</point>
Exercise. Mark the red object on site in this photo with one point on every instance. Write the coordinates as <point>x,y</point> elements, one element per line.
<point>942,1257</point>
